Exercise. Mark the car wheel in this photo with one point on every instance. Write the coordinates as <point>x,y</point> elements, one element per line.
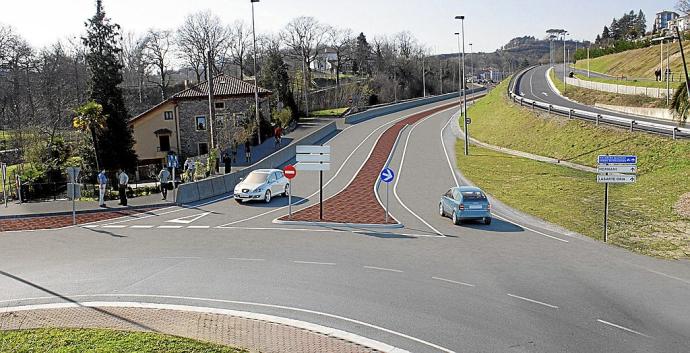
<point>456,220</point>
<point>440,210</point>
<point>267,197</point>
<point>487,220</point>
<point>287,190</point>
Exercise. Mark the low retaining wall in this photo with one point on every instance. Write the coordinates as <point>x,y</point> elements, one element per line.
<point>620,89</point>
<point>656,113</point>
<point>223,184</point>
<point>394,108</point>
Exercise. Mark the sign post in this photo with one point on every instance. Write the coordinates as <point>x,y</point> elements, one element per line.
<point>290,172</point>
<point>173,163</point>
<point>315,158</point>
<point>4,179</point>
<point>618,169</point>
<point>73,173</point>
<point>387,176</point>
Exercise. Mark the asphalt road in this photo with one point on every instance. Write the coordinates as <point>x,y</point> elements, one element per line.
<point>533,85</point>
<point>518,285</point>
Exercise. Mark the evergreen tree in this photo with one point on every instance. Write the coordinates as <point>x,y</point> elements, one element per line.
<point>606,34</point>
<point>275,76</point>
<point>115,141</point>
<point>362,54</point>
<point>641,23</point>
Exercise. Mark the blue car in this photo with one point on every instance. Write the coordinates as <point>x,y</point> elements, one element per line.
<point>465,203</point>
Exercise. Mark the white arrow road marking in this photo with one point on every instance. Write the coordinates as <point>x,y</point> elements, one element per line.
<point>189,219</point>
<point>544,93</point>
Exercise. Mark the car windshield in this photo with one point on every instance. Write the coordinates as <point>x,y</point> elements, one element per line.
<point>473,196</point>
<point>256,178</point>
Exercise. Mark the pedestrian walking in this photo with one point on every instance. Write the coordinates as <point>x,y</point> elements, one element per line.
<point>164,179</point>
<point>102,184</point>
<point>189,169</point>
<point>248,151</point>
<point>233,151</point>
<point>123,180</point>
<point>227,162</point>
<point>278,134</point>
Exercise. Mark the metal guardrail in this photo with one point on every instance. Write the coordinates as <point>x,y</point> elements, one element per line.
<point>631,124</point>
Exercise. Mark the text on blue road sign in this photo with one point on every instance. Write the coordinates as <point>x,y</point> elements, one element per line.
<point>617,159</point>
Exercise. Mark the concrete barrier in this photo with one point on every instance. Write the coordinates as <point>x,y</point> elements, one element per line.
<point>656,113</point>
<point>223,184</point>
<point>394,108</point>
<point>651,92</point>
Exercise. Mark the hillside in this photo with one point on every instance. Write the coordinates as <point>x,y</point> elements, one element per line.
<point>639,63</point>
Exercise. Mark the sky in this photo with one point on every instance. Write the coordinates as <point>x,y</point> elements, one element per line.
<point>489,24</point>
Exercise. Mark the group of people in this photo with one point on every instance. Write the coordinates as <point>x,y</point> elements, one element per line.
<point>122,181</point>
<point>658,74</point>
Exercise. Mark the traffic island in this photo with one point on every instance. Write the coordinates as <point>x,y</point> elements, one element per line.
<point>29,222</point>
<point>358,203</point>
<point>176,325</point>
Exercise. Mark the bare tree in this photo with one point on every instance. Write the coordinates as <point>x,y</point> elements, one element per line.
<point>202,32</point>
<point>134,63</point>
<point>683,6</point>
<point>157,53</point>
<point>341,41</point>
<point>240,43</point>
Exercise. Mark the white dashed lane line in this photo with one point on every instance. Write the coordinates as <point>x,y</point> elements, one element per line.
<point>142,227</point>
<point>169,227</point>
<point>532,301</point>
<point>244,259</point>
<point>622,328</point>
<point>382,269</point>
<point>111,226</point>
<point>314,263</point>
<point>451,281</point>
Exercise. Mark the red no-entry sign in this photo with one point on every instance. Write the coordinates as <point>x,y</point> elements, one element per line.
<point>290,172</point>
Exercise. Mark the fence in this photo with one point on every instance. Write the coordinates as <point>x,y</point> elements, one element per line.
<point>652,92</point>
<point>36,192</point>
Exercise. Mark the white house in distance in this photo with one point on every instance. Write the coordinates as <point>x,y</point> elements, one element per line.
<point>326,60</point>
<point>682,22</point>
<point>663,19</point>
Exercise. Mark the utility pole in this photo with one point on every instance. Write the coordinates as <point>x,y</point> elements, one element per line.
<point>587,62</point>
<point>685,66</point>
<point>423,77</point>
<point>463,85</point>
<point>211,108</point>
<point>565,83</point>
<point>471,62</point>
<point>440,74</point>
<point>256,77</point>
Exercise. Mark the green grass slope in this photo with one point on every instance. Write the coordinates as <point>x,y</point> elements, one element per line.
<point>638,63</point>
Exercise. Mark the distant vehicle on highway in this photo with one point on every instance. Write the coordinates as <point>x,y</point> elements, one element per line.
<point>262,185</point>
<point>465,203</point>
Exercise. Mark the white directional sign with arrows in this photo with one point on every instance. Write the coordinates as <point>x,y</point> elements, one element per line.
<point>616,178</point>
<point>616,168</point>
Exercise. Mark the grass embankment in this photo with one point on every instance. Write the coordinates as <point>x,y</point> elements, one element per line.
<point>638,63</point>
<point>634,83</point>
<point>591,97</point>
<point>642,215</point>
<point>102,341</point>
<point>329,112</point>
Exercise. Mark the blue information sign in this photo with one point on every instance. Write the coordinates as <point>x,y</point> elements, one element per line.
<point>617,159</point>
<point>387,175</point>
<point>172,161</point>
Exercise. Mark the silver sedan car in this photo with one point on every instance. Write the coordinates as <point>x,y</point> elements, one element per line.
<point>262,185</point>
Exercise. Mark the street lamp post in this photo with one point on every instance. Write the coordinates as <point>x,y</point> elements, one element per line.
<point>471,62</point>
<point>423,77</point>
<point>462,85</point>
<point>565,83</point>
<point>256,78</point>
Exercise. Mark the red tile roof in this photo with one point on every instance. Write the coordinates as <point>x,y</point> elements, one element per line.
<point>223,85</point>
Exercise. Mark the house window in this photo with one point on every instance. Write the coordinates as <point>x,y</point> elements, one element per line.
<point>164,143</point>
<point>168,115</point>
<point>203,148</point>
<point>220,105</point>
<point>200,123</point>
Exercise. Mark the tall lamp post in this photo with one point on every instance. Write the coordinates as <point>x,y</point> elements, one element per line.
<point>565,83</point>
<point>471,62</point>
<point>256,78</point>
<point>462,85</point>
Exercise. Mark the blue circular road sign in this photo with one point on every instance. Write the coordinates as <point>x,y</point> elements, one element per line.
<point>387,175</point>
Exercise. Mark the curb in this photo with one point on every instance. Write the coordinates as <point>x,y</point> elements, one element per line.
<point>104,210</point>
<point>324,330</point>
<point>336,224</point>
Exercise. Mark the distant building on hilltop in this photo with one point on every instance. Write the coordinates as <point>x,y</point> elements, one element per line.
<point>663,19</point>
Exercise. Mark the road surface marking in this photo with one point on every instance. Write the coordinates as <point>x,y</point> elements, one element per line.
<point>669,276</point>
<point>189,219</point>
<point>533,301</point>
<point>141,227</point>
<point>114,226</point>
<point>530,229</point>
<point>179,209</point>
<point>198,227</point>
<point>169,227</point>
<point>285,229</point>
<point>315,263</point>
<point>180,257</point>
<point>402,163</point>
<point>336,173</point>
<point>622,328</point>
<point>544,93</point>
<point>530,83</point>
<point>382,269</point>
<point>244,259</point>
<point>451,281</point>
<point>91,226</point>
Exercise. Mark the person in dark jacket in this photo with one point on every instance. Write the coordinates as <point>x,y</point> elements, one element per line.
<point>248,151</point>
<point>227,161</point>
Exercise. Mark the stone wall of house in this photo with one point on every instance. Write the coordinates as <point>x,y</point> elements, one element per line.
<point>188,110</point>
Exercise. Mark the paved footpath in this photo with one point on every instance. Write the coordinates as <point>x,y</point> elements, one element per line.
<point>252,334</point>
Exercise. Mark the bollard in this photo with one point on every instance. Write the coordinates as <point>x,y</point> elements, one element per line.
<point>533,105</point>
<point>632,123</point>
<point>598,117</point>
<point>570,114</point>
<point>522,100</point>
<point>675,129</point>
<point>550,107</point>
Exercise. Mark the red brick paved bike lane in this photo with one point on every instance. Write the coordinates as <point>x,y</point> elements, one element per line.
<point>61,221</point>
<point>357,203</point>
